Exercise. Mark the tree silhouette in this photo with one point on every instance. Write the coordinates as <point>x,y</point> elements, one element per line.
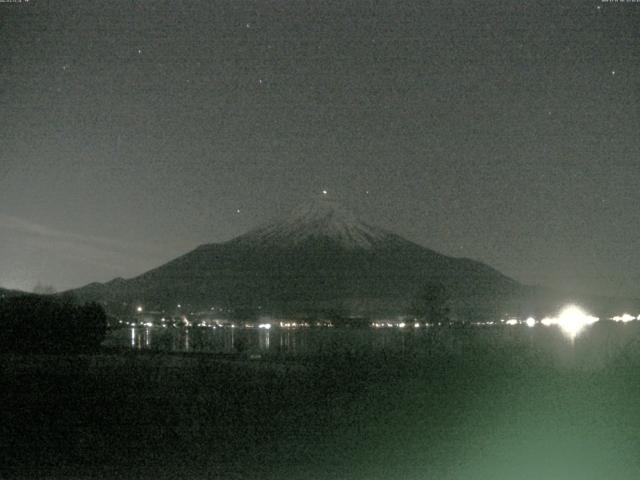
<point>33,323</point>
<point>432,303</point>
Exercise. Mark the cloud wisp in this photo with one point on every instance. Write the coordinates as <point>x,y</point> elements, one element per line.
<point>105,257</point>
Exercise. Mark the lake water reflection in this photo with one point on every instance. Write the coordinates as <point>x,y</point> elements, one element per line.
<point>598,344</point>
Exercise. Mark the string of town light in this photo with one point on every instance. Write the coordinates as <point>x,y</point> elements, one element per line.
<point>572,320</point>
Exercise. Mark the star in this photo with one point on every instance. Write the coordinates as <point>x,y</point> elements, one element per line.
<point>324,192</point>
<point>139,51</point>
<point>613,72</point>
<point>237,210</point>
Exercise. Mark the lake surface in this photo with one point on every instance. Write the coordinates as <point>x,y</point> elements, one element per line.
<point>595,346</point>
<point>475,403</point>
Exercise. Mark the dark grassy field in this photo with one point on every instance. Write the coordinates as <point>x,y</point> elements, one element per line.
<point>485,412</point>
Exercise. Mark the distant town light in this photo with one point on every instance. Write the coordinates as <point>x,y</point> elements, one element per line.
<point>265,326</point>
<point>624,318</point>
<point>531,322</point>
<point>512,321</point>
<point>139,309</point>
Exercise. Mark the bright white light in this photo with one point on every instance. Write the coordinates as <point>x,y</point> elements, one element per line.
<point>572,320</point>
<point>548,321</point>
<point>624,318</point>
<point>265,326</point>
<point>512,321</point>
<point>402,325</point>
<point>416,325</point>
<point>531,322</point>
<point>324,192</point>
<point>139,309</point>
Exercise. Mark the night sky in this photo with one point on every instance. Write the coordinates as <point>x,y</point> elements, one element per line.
<point>133,131</point>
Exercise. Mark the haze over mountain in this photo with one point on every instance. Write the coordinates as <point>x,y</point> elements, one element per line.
<point>318,258</point>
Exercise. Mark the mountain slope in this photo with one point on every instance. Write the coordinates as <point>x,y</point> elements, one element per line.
<point>5,293</point>
<point>319,256</point>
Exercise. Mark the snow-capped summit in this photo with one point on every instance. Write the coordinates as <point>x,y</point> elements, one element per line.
<point>317,219</point>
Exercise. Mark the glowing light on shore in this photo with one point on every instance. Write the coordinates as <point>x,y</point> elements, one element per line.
<point>512,321</point>
<point>531,322</point>
<point>139,309</point>
<point>572,320</point>
<point>624,318</point>
<point>548,321</point>
<point>265,326</point>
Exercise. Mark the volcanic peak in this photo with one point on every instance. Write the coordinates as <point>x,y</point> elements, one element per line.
<point>316,219</point>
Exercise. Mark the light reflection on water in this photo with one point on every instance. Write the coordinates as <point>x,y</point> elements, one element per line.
<point>594,346</point>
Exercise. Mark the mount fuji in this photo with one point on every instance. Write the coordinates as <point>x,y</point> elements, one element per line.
<point>319,257</point>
